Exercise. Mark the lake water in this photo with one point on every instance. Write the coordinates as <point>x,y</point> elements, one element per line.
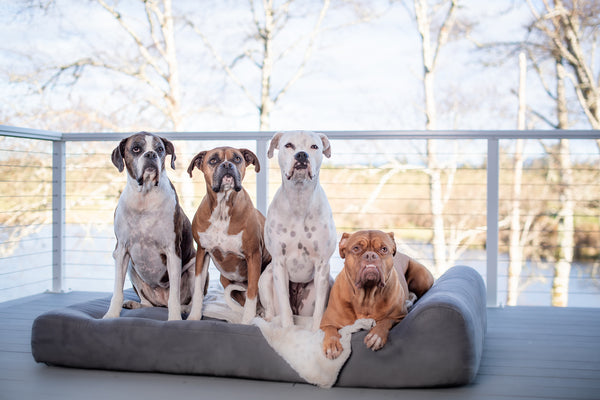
<point>90,267</point>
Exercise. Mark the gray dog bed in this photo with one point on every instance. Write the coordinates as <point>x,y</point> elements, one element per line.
<point>439,343</point>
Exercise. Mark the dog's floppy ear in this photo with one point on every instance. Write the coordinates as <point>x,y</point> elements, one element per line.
<point>251,158</point>
<point>170,149</point>
<point>391,235</point>
<point>326,145</point>
<point>274,144</point>
<point>196,162</point>
<point>117,155</point>
<point>343,242</point>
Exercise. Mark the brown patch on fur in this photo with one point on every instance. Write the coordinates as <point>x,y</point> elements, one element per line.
<point>298,295</point>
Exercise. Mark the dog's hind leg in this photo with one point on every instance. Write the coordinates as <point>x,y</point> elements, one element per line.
<point>146,293</point>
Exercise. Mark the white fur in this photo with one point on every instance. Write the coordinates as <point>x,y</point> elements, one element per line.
<point>144,227</point>
<point>216,236</point>
<point>302,348</point>
<point>299,230</point>
<point>198,293</point>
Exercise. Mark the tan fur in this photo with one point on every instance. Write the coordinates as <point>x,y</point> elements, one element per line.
<point>241,263</point>
<point>384,301</point>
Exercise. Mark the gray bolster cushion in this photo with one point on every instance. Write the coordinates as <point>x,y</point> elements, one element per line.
<point>439,343</point>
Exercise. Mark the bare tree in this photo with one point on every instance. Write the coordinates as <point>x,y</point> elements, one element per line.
<point>563,27</point>
<point>515,264</point>
<point>572,28</point>
<point>430,51</point>
<point>268,22</point>
<point>149,73</point>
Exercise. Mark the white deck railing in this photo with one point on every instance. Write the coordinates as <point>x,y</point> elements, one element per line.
<point>261,139</point>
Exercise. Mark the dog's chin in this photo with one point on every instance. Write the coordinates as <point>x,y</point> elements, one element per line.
<point>369,276</point>
<point>149,178</point>
<point>227,183</point>
<point>300,172</point>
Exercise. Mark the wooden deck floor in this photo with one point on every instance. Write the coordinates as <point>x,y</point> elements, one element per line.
<point>530,352</point>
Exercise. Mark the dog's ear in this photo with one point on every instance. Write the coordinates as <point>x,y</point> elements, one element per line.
<point>251,158</point>
<point>274,144</point>
<point>117,155</point>
<point>343,242</point>
<point>170,149</point>
<point>196,162</point>
<point>326,145</point>
<point>391,235</point>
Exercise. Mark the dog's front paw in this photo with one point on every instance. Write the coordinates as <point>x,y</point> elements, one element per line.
<point>376,338</point>
<point>332,347</point>
<point>131,305</point>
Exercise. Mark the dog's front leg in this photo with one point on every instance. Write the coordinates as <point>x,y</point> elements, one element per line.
<point>322,291</point>
<point>253,262</point>
<point>281,284</point>
<point>122,258</point>
<point>174,270</point>
<point>202,262</point>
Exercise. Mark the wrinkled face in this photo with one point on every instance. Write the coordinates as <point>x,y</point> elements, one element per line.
<point>143,154</point>
<point>369,257</point>
<point>300,154</point>
<point>224,168</point>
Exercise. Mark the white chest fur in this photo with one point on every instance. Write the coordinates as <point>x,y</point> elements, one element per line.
<point>217,236</point>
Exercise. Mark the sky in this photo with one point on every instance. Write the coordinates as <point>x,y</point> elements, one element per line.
<point>361,77</point>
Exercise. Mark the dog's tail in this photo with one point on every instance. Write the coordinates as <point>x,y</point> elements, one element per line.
<point>234,305</point>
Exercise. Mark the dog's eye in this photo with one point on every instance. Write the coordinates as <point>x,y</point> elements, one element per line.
<point>159,149</point>
<point>136,149</point>
<point>356,249</point>
<point>314,147</point>
<point>213,161</point>
<point>237,159</point>
<point>383,250</point>
<point>289,146</point>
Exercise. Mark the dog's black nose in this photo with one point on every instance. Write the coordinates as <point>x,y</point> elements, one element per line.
<point>301,156</point>
<point>151,155</point>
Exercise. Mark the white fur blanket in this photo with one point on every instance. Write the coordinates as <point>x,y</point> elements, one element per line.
<point>300,347</point>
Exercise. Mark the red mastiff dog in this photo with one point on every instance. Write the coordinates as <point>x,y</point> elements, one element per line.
<point>374,283</point>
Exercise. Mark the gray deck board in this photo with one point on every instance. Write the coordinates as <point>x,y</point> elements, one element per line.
<point>529,353</point>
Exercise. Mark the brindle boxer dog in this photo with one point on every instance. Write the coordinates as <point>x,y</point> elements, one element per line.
<point>374,283</point>
<point>154,236</point>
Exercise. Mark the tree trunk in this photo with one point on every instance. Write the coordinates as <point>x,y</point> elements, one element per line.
<point>174,96</point>
<point>266,104</point>
<point>433,169</point>
<point>437,209</point>
<point>562,270</point>
<point>515,251</point>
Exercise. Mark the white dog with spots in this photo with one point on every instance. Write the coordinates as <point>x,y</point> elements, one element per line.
<point>299,232</point>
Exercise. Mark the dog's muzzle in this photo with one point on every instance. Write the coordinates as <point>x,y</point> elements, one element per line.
<point>301,163</point>
<point>370,272</point>
<point>150,167</point>
<point>226,177</point>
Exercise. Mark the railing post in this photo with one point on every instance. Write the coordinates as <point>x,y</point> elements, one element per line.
<point>493,192</point>
<point>262,179</point>
<point>58,214</point>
